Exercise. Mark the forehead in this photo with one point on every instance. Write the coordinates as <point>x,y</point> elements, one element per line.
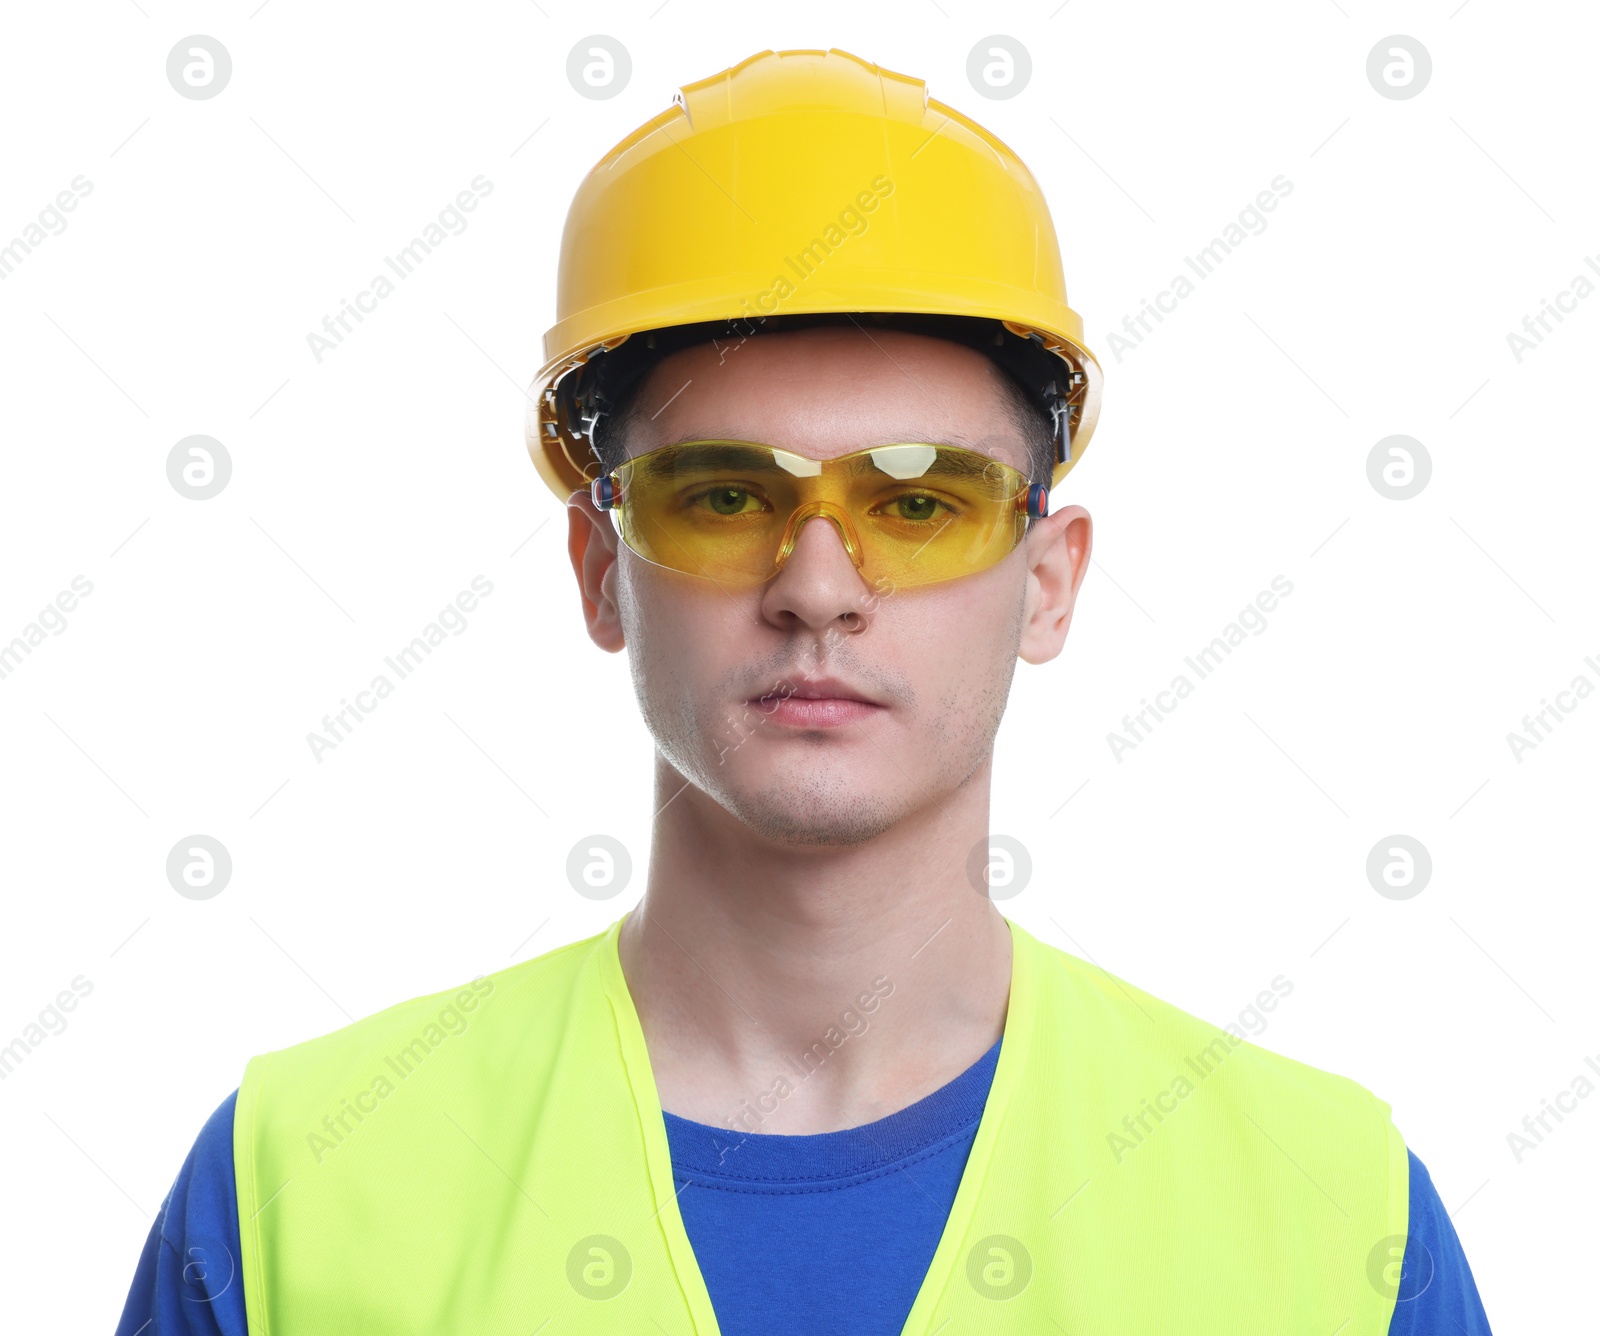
<point>827,391</point>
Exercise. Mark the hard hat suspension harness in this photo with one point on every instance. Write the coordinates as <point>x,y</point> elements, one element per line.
<point>605,381</point>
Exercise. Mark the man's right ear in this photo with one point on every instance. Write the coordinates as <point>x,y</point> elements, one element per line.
<point>592,545</point>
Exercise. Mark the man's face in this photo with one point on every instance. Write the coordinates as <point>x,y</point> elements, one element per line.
<point>935,661</point>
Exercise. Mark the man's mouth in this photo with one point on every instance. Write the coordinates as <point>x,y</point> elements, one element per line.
<point>818,702</point>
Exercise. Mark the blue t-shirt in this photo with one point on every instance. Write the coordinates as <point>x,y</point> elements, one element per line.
<point>777,1225</point>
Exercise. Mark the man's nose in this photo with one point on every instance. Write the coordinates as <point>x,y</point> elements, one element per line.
<point>818,582</point>
<point>834,537</point>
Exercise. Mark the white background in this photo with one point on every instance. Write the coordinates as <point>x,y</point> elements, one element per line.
<point>369,489</point>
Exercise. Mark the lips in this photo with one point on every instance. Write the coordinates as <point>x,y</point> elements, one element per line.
<point>820,712</point>
<point>818,702</point>
<point>829,688</point>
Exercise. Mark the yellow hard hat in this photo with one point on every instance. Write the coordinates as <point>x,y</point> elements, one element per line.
<point>804,184</point>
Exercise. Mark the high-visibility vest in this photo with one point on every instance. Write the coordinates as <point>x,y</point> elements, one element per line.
<point>494,1160</point>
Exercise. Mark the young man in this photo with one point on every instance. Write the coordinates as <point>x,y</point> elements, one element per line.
<point>815,1081</point>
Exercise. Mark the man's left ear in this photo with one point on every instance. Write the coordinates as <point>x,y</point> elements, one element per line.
<point>1057,551</point>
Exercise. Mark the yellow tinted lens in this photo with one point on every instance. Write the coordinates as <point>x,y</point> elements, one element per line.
<point>928,513</point>
<point>913,514</point>
<point>713,508</point>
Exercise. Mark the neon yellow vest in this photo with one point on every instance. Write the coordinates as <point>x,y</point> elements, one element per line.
<point>494,1160</point>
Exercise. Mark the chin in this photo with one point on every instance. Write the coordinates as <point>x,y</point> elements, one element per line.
<point>834,816</point>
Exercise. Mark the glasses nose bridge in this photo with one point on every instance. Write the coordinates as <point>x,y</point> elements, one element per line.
<point>829,510</point>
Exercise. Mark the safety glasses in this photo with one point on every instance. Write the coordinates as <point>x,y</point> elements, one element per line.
<point>731,511</point>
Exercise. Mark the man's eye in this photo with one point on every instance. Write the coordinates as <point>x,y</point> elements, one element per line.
<point>916,507</point>
<point>726,500</point>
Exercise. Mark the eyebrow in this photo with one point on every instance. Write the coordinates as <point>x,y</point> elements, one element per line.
<point>724,454</point>
<point>732,454</point>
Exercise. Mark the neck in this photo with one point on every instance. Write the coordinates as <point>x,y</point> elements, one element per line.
<point>795,989</point>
